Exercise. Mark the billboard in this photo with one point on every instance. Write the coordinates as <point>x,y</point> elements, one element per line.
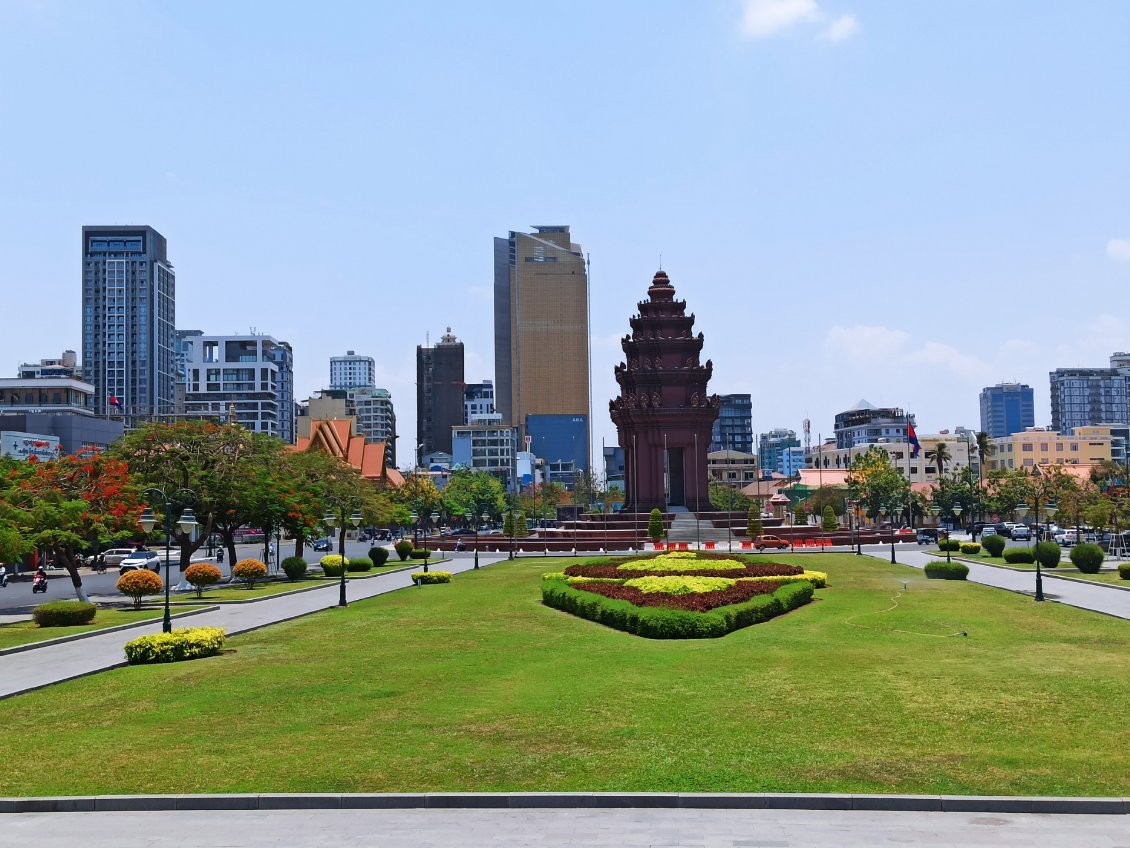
<point>27,445</point>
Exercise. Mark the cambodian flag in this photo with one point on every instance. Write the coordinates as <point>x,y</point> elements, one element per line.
<point>115,402</point>
<point>912,437</point>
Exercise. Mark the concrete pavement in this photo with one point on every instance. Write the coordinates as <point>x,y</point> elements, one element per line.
<point>33,669</point>
<point>588,828</point>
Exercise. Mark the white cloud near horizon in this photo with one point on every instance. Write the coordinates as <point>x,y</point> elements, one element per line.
<point>766,18</point>
<point>1118,249</point>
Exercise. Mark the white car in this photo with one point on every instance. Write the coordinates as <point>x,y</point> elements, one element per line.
<point>139,560</point>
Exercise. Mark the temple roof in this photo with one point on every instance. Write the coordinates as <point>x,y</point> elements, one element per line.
<point>335,436</point>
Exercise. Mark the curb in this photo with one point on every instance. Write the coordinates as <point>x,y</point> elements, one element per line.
<point>1047,572</point>
<point>570,801</point>
<point>328,581</point>
<point>74,637</point>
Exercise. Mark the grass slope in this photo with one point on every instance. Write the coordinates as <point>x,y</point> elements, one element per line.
<point>476,686</point>
<point>26,632</point>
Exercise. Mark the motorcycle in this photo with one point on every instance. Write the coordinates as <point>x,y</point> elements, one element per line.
<point>39,584</point>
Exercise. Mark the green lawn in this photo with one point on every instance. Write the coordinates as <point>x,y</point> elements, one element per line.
<point>1064,569</point>
<point>228,593</point>
<point>25,632</point>
<point>476,686</point>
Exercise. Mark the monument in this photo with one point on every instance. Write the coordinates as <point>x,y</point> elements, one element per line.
<point>664,413</point>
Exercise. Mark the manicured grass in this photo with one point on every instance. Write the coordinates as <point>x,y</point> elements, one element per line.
<point>26,632</point>
<point>235,592</point>
<point>477,686</point>
<point>1064,569</point>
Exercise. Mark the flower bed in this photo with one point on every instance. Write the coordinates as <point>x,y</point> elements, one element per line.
<point>679,595</point>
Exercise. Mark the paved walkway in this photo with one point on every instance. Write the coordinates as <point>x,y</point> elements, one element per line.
<point>1076,593</point>
<point>27,670</point>
<point>558,828</point>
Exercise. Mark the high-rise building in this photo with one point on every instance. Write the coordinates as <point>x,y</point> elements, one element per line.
<point>252,375</point>
<point>439,394</point>
<point>772,448</point>
<point>1007,408</point>
<point>541,326</point>
<point>865,424</point>
<point>128,322</point>
<point>1085,396</point>
<point>733,429</point>
<point>352,371</point>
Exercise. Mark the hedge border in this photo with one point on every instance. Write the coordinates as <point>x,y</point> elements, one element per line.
<point>663,623</point>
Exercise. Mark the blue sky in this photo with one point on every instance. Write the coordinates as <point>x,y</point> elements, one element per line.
<point>902,202</point>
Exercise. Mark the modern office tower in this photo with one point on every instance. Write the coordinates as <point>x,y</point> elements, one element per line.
<point>1007,408</point>
<point>562,441</point>
<point>1085,396</point>
<point>865,424</point>
<point>252,375</point>
<point>439,394</point>
<point>478,403</point>
<point>65,366</point>
<point>128,322</point>
<point>771,450</point>
<point>541,326</point>
<point>352,371</point>
<point>733,429</point>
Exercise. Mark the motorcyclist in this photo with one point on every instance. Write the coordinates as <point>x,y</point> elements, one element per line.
<point>3,576</point>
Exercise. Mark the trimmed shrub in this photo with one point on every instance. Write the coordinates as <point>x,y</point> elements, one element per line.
<point>331,565</point>
<point>995,545</point>
<point>942,570</point>
<point>655,528</point>
<point>202,575</point>
<point>247,571</point>
<point>970,548</point>
<point>403,548</point>
<point>667,623</point>
<point>1019,556</point>
<point>828,521</point>
<point>949,545</point>
<point>1124,570</point>
<point>294,567</point>
<point>138,584</point>
<point>356,564</point>
<point>63,613</point>
<point>419,577</point>
<point>187,644</point>
<point>679,584</point>
<point>420,553</point>
<point>378,555</point>
<point>1087,557</point>
<point>1048,554</point>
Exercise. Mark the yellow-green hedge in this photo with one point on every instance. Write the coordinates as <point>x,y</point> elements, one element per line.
<point>431,576</point>
<point>187,644</point>
<point>680,584</point>
<point>818,579</point>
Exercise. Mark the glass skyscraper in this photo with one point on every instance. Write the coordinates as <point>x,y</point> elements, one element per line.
<point>128,322</point>
<point>1007,408</point>
<point>733,428</point>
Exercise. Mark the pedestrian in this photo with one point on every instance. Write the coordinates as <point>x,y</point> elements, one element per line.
<point>3,576</point>
<point>220,555</point>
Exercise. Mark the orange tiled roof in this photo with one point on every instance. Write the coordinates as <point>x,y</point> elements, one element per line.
<point>335,436</point>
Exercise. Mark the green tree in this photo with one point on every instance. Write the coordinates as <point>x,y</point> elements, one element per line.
<point>940,455</point>
<point>825,496</point>
<point>754,526</point>
<point>875,483</point>
<point>727,497</point>
<point>655,528</point>
<point>476,492</point>
<point>829,522</point>
<point>800,515</point>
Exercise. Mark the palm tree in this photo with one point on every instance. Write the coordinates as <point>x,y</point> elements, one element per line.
<point>941,455</point>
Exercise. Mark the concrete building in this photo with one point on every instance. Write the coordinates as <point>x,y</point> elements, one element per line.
<point>25,446</point>
<point>790,461</point>
<point>865,424</point>
<point>252,374</point>
<point>918,469</point>
<point>65,366</point>
<point>486,447</point>
<point>733,468</point>
<point>75,431</point>
<point>771,448</point>
<point>478,402</point>
<point>439,394</point>
<point>48,395</point>
<point>733,429</point>
<point>1047,447</point>
<point>1119,435</point>
<point>128,322</point>
<point>541,325</point>
<point>1007,408</point>
<point>613,465</point>
<point>1086,396</point>
<point>352,371</point>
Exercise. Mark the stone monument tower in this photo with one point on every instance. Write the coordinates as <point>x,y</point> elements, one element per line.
<point>664,413</point>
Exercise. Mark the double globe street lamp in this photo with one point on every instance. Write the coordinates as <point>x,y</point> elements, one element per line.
<point>1050,510</point>
<point>186,524</point>
<point>331,518</point>
<point>937,511</point>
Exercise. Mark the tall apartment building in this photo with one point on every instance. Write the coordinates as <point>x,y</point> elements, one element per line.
<point>541,326</point>
<point>252,375</point>
<point>352,371</point>
<point>733,428</point>
<point>128,321</point>
<point>771,450</point>
<point>1007,408</point>
<point>439,394</point>
<point>865,424</point>
<point>478,402</point>
<point>1085,396</point>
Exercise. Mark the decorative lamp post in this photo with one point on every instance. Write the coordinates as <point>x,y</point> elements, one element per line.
<point>186,523</point>
<point>471,521</point>
<point>936,511</point>
<point>1050,510</point>
<point>890,510</point>
<point>427,550</point>
<point>330,520</point>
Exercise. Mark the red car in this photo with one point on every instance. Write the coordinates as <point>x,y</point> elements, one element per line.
<point>763,542</point>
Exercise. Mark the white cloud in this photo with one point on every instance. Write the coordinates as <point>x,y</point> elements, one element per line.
<point>960,364</point>
<point>841,29</point>
<point>1118,249</point>
<point>863,344</point>
<point>765,18</point>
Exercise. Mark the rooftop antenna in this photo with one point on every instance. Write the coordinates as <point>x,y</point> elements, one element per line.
<point>661,262</point>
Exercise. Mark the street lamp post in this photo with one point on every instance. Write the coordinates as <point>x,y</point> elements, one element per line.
<point>891,510</point>
<point>427,550</point>
<point>1049,510</point>
<point>330,519</point>
<point>187,521</point>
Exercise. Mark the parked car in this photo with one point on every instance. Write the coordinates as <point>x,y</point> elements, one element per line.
<point>1020,533</point>
<point>763,542</point>
<point>988,531</point>
<point>926,536</point>
<point>114,556</point>
<point>323,544</point>
<point>138,560</point>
